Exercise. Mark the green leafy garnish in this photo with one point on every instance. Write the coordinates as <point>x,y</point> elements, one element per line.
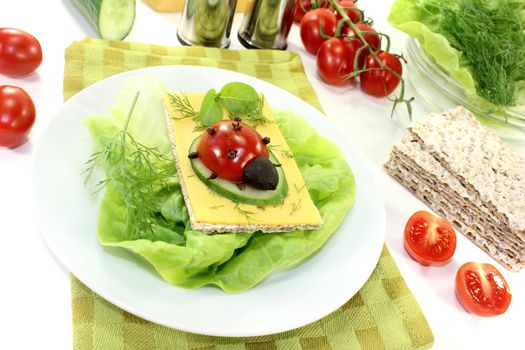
<point>211,110</point>
<point>139,169</point>
<point>239,98</point>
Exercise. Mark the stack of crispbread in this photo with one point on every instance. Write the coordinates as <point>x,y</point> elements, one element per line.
<point>464,172</point>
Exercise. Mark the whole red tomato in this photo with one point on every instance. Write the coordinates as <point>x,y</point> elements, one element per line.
<point>428,239</point>
<point>311,25</point>
<point>17,115</point>
<point>378,81</point>
<point>335,59</point>
<point>303,6</point>
<point>370,34</point>
<point>228,146</point>
<point>20,52</point>
<point>354,15</point>
<point>482,290</point>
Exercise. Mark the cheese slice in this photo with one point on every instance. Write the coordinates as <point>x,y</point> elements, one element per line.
<point>210,211</point>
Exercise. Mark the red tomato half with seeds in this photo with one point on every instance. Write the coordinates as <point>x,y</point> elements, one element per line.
<point>20,52</point>
<point>428,239</point>
<point>378,81</point>
<point>228,149</point>
<point>313,25</point>
<point>335,60</point>
<point>482,290</point>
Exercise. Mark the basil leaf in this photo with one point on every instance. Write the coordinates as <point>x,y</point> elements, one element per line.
<point>239,98</point>
<point>211,110</point>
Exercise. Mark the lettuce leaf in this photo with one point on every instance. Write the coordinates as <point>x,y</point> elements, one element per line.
<point>234,262</point>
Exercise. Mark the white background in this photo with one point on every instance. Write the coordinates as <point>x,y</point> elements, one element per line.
<point>35,308</point>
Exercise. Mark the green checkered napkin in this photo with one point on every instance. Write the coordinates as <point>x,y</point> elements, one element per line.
<point>382,315</point>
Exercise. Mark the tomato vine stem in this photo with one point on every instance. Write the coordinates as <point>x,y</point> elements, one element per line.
<point>360,34</point>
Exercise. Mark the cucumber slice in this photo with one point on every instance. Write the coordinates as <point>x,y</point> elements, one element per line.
<point>113,19</point>
<point>228,189</point>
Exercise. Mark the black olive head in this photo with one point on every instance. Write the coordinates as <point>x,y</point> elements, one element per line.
<point>261,174</point>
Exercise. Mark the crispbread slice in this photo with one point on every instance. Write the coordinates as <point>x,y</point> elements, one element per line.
<point>410,153</point>
<point>458,216</point>
<point>485,199</point>
<point>211,212</point>
<point>479,160</point>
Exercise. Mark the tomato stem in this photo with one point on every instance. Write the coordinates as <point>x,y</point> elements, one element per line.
<point>359,34</point>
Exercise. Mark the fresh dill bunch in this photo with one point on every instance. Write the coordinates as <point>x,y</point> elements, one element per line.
<point>492,39</point>
<point>139,172</point>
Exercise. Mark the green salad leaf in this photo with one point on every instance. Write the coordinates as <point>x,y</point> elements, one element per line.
<point>234,262</point>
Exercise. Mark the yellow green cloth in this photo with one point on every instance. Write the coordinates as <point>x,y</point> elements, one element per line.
<point>382,315</point>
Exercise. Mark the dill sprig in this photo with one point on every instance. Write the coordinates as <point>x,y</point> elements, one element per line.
<point>139,171</point>
<point>492,40</point>
<point>256,118</point>
<point>182,104</point>
<point>295,206</point>
<point>246,213</point>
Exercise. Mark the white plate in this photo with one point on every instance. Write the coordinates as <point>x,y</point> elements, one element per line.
<point>67,217</point>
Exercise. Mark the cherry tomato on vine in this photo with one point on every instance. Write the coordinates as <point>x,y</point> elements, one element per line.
<point>428,239</point>
<point>378,81</point>
<point>482,290</point>
<point>303,6</point>
<point>335,59</point>
<point>311,25</point>
<point>370,35</point>
<point>228,149</point>
<point>354,15</point>
<point>17,115</point>
<point>20,52</point>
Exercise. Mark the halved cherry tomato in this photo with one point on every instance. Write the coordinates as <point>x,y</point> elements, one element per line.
<point>311,25</point>
<point>378,81</point>
<point>229,148</point>
<point>428,239</point>
<point>482,290</point>
<point>17,115</point>
<point>335,59</point>
<point>20,52</point>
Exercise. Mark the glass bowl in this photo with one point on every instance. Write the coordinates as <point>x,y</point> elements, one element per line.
<point>441,92</point>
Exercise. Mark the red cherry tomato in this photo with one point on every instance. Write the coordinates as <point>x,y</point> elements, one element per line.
<point>335,59</point>
<point>379,81</point>
<point>370,34</point>
<point>311,25</point>
<point>20,52</point>
<point>354,15</point>
<point>17,115</point>
<point>428,239</point>
<point>482,290</point>
<point>303,6</point>
<point>228,149</point>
